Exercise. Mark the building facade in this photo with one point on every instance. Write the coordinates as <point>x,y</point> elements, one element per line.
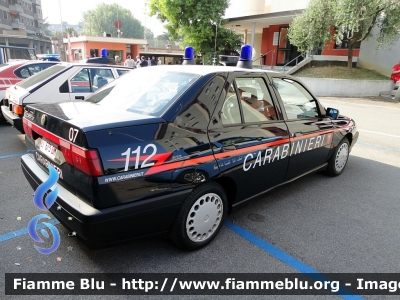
<point>21,25</point>
<point>264,24</point>
<point>79,49</point>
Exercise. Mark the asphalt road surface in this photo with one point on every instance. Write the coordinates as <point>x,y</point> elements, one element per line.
<point>346,224</point>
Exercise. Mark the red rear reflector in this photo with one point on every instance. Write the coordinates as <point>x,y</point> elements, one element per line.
<point>27,127</point>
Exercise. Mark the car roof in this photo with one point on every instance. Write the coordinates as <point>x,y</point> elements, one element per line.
<point>67,64</point>
<point>205,69</point>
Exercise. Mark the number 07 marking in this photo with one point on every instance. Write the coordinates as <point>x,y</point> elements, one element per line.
<point>73,133</point>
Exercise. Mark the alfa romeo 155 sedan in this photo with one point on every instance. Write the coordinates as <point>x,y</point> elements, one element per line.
<point>170,151</point>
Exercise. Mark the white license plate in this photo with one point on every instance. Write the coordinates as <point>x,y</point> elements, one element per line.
<point>48,149</point>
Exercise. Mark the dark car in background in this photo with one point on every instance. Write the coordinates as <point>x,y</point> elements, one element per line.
<point>170,151</point>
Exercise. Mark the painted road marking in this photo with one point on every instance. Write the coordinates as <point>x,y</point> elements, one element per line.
<point>23,231</point>
<point>13,155</point>
<point>358,104</point>
<point>286,258</point>
<point>380,133</point>
<point>377,147</point>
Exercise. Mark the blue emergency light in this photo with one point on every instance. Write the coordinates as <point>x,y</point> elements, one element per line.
<point>104,52</point>
<point>245,60</point>
<point>189,56</point>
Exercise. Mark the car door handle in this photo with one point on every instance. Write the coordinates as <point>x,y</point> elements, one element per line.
<point>296,134</point>
<point>228,148</point>
<point>80,97</point>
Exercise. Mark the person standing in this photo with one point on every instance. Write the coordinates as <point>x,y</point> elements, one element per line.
<point>153,61</point>
<point>129,62</point>
<point>396,73</point>
<point>138,61</point>
<point>143,62</point>
<point>159,63</point>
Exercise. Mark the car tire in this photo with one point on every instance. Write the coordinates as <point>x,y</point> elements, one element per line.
<point>338,161</point>
<point>2,119</point>
<point>200,218</point>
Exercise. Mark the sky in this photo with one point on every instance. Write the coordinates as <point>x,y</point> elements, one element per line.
<point>72,10</point>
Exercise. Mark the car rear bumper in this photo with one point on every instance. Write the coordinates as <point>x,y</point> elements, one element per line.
<point>105,227</point>
<point>11,118</point>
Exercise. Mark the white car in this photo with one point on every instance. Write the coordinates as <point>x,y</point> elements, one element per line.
<point>62,82</point>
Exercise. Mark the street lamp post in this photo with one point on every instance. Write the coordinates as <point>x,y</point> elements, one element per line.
<point>215,42</point>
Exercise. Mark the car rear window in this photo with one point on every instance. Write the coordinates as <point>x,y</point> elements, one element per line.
<point>39,77</point>
<point>147,91</point>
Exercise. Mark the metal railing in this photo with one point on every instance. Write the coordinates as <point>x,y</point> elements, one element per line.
<point>296,59</point>
<point>265,55</point>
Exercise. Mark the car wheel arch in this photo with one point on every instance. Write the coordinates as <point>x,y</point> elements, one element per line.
<point>230,188</point>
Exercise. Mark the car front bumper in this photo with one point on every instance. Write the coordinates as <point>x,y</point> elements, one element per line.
<point>106,227</point>
<point>12,119</point>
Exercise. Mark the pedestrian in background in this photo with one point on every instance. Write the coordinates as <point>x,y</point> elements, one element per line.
<point>138,61</point>
<point>117,59</point>
<point>159,63</point>
<point>129,62</point>
<point>143,62</point>
<point>153,61</point>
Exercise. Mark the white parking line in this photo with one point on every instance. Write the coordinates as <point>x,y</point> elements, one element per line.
<point>357,104</point>
<point>380,133</point>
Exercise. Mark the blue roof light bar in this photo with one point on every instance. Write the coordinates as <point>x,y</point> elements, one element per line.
<point>245,60</point>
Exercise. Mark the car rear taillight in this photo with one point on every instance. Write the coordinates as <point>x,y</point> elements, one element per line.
<point>18,109</point>
<point>83,159</point>
<point>27,127</point>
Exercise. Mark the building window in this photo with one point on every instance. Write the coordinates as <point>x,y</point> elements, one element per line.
<point>31,23</point>
<point>344,44</point>
<point>5,15</point>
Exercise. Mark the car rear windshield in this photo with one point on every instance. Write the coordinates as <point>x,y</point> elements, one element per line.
<point>39,77</point>
<point>147,91</point>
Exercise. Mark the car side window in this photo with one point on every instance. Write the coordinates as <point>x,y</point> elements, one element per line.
<point>230,113</point>
<point>122,72</point>
<point>80,83</point>
<point>89,80</point>
<point>298,102</point>
<point>36,68</point>
<point>23,73</point>
<point>256,101</point>
<point>100,77</point>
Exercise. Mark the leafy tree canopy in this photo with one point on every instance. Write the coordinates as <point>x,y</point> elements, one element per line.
<point>194,23</point>
<point>352,21</point>
<point>102,19</point>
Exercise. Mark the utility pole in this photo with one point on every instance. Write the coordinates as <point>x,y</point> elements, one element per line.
<point>62,48</point>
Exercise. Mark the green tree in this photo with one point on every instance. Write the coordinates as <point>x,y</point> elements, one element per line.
<point>72,32</point>
<point>351,20</point>
<point>102,19</point>
<point>45,27</point>
<point>194,23</point>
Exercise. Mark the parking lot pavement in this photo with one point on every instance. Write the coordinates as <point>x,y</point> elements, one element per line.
<point>331,225</point>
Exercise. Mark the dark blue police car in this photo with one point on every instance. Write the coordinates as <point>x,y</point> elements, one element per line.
<point>169,151</point>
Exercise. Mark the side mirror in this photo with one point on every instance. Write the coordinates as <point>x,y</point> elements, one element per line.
<point>332,113</point>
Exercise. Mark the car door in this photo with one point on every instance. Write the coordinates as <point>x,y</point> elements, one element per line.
<point>249,136</point>
<point>88,80</point>
<point>310,131</point>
